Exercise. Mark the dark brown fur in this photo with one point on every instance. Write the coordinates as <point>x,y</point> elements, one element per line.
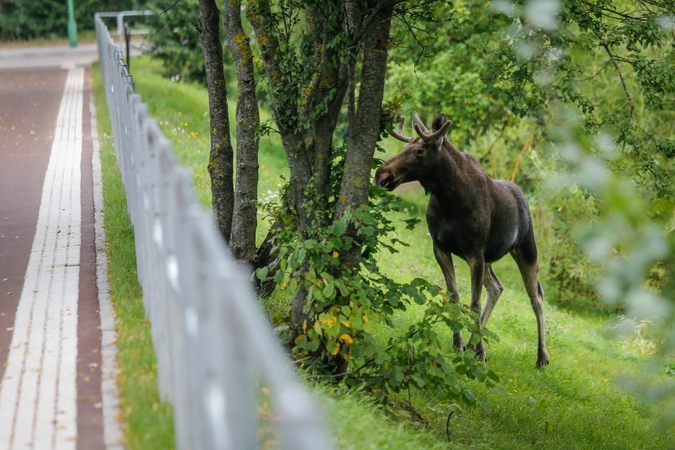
<point>469,215</point>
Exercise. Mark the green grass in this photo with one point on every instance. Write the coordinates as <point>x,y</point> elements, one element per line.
<point>579,402</point>
<point>148,422</point>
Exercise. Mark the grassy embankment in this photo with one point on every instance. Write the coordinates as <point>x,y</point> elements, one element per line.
<point>577,403</point>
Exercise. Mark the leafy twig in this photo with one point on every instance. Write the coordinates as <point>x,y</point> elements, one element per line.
<point>612,59</point>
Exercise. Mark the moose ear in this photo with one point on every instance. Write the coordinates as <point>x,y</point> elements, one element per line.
<point>438,122</point>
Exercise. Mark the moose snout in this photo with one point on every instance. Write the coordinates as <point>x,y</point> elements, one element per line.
<point>388,177</point>
<point>383,178</point>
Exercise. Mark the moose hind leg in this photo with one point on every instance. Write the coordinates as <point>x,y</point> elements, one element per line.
<point>529,271</point>
<point>444,260</point>
<point>494,289</point>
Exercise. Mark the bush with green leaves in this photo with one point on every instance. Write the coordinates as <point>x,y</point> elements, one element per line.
<point>175,39</point>
<point>571,273</point>
<point>446,64</point>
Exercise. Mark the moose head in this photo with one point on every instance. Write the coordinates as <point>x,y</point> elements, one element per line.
<point>420,156</point>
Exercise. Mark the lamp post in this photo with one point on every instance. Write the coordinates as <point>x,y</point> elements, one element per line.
<point>72,26</point>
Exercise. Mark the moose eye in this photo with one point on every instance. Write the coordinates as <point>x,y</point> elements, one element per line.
<point>419,152</point>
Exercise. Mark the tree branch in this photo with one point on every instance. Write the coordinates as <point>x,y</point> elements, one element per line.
<point>612,58</point>
<point>368,20</point>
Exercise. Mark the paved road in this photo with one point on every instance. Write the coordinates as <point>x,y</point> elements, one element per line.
<point>47,56</point>
<point>55,346</point>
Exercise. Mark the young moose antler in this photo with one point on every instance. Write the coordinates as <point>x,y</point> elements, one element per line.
<point>469,215</point>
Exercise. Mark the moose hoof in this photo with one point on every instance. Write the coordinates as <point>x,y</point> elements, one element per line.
<point>541,364</point>
<point>479,351</point>
<point>542,359</point>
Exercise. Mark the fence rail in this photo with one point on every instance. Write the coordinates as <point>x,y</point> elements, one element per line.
<point>215,348</point>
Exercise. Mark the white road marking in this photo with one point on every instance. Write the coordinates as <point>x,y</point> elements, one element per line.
<point>38,395</point>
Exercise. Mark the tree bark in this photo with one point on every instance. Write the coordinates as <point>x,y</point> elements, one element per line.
<point>284,104</point>
<point>221,156</point>
<point>325,91</point>
<point>244,221</point>
<point>364,120</point>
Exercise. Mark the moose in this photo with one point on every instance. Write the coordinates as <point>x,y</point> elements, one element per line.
<point>470,215</point>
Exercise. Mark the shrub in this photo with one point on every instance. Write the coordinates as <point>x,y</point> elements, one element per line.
<point>572,276</point>
<point>175,39</point>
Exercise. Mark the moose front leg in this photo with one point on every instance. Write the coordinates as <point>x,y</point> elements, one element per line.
<point>445,262</point>
<point>477,268</point>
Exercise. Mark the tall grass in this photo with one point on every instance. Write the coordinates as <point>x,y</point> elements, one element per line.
<point>579,402</point>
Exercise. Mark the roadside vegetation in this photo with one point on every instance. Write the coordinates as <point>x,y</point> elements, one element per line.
<point>589,397</point>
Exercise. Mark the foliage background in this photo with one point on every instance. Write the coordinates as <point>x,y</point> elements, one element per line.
<point>47,19</point>
<point>175,39</point>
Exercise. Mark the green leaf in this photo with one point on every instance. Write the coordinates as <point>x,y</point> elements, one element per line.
<point>382,357</point>
<point>261,273</point>
<point>468,396</point>
<point>329,291</point>
<point>302,254</point>
<point>418,381</point>
<point>339,227</point>
<point>485,405</point>
<point>478,372</point>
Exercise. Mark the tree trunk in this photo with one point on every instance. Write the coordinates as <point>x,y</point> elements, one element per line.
<point>322,98</point>
<point>221,155</point>
<point>307,90</point>
<point>284,104</point>
<point>364,121</point>
<point>245,219</point>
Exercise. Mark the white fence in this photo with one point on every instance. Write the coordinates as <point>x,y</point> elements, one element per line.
<point>216,351</point>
